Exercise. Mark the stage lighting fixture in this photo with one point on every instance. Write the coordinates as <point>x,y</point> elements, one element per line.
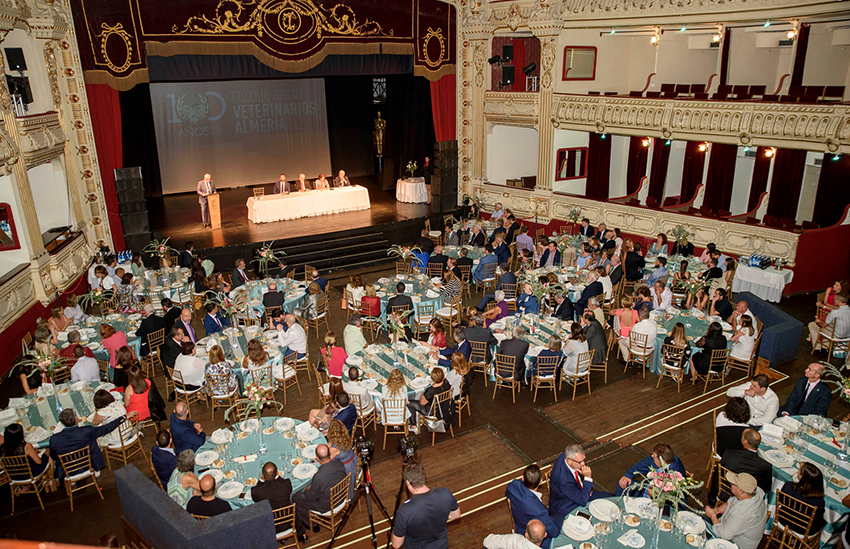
<point>495,59</point>
<point>715,38</point>
<point>654,40</point>
<point>770,152</point>
<point>703,147</point>
<point>645,142</point>
<point>528,69</point>
<point>791,34</point>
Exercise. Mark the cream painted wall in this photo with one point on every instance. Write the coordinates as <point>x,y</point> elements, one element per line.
<point>50,194</point>
<point>755,66</point>
<point>10,259</point>
<point>679,65</point>
<point>37,74</point>
<point>622,64</point>
<point>563,139</point>
<point>619,164</point>
<point>826,65</point>
<point>741,183</point>
<point>675,169</point>
<point>511,153</point>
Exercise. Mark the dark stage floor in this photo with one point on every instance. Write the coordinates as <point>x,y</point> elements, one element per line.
<point>179,216</point>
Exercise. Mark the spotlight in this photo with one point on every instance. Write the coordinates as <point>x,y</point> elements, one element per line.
<point>667,142</point>
<point>495,59</point>
<point>613,31</point>
<point>836,157</point>
<point>770,152</point>
<point>791,34</point>
<point>604,136</point>
<point>530,68</point>
<point>645,142</point>
<point>703,147</point>
<point>767,23</point>
<point>715,38</point>
<point>654,40</point>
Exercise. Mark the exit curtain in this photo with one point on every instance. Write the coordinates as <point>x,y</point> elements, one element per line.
<point>721,175</point>
<point>692,171</point>
<point>658,168</point>
<point>598,166</point>
<point>833,190</point>
<point>786,183</point>
<point>105,109</point>
<point>636,168</point>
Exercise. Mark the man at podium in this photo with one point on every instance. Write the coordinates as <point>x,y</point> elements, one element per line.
<point>205,187</point>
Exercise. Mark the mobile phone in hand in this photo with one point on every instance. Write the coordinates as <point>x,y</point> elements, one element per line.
<point>242,495</point>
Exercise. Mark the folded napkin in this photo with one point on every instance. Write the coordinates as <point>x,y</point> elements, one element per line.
<point>245,459</point>
<point>45,390</point>
<point>632,539</point>
<point>37,435</point>
<point>787,422</point>
<point>301,427</point>
<point>222,434</point>
<point>9,414</point>
<point>18,402</point>
<point>58,428</point>
<point>574,523</point>
<point>772,430</point>
<point>62,336</point>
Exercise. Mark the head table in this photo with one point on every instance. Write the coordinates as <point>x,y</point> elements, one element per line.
<point>233,457</point>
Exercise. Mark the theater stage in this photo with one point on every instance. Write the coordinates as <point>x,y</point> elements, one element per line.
<point>178,216</point>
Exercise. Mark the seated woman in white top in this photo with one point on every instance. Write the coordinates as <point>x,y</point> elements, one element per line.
<point>73,311</point>
<point>104,281</point>
<point>321,182</point>
<point>190,367</point>
<point>576,345</point>
<point>744,340</point>
<point>357,289</point>
<point>107,408</point>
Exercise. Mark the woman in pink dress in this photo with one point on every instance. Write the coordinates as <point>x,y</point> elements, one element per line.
<point>112,341</point>
<point>334,357</point>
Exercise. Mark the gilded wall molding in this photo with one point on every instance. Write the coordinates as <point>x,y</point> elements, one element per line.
<point>16,296</point>
<point>512,109</point>
<point>42,138</point>
<point>8,152</point>
<point>824,127</point>
<point>73,259</point>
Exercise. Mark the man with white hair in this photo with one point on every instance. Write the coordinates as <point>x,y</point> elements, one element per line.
<point>743,515</point>
<point>535,534</point>
<point>477,238</point>
<point>341,180</point>
<point>593,289</point>
<point>353,387</point>
<point>149,325</point>
<point>205,188</point>
<point>570,483</point>
<point>294,338</point>
<point>646,327</point>
<point>810,395</point>
<point>594,307</point>
<point>840,316</point>
<point>616,270</point>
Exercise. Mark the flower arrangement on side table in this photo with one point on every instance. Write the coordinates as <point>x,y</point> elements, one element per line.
<point>266,255</point>
<point>411,167</point>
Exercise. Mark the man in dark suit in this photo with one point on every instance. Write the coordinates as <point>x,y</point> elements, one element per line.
<point>517,348</point>
<point>424,243</point>
<point>149,325</point>
<point>185,323</point>
<point>464,260</point>
<point>239,276</point>
<point>507,277</point>
<point>172,347</point>
<point>595,335</point>
<point>551,256</point>
<point>205,187</point>
<point>585,229</point>
<point>439,257</point>
<point>489,258</point>
<point>461,346</point>
<point>748,460</point>
<point>186,255</point>
<point>281,185</point>
<point>500,229</point>
<point>341,180</point>
<point>513,228</point>
<point>214,322</point>
<point>74,437</point>
<point>477,237</point>
<point>570,484</point>
<point>277,490</point>
<point>347,411</point>
<point>273,298</point>
<point>171,315</point>
<point>320,280</point>
<point>317,496</point>
<point>401,300</point>
<point>810,396</point>
<point>452,237</point>
<point>478,332</point>
<point>163,458</point>
<point>593,289</point>
<point>616,273</point>
<point>186,434</point>
<point>526,505</point>
<point>565,309</point>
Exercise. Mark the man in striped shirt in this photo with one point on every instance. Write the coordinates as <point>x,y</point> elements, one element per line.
<point>840,316</point>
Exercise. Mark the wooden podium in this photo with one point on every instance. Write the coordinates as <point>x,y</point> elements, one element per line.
<point>214,207</point>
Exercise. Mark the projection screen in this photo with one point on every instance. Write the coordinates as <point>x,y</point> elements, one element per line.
<point>240,132</point>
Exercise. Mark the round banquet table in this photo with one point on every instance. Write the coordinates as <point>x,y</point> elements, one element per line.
<point>283,447</point>
<point>412,189</point>
<point>253,291</point>
<point>695,328</point>
<point>819,447</point>
<point>423,293</point>
<point>473,252</point>
<point>171,282</point>
<point>90,334</point>
<point>234,343</point>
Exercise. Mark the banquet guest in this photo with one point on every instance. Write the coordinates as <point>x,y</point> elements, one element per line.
<point>517,348</point>
<point>712,340</point>
<point>840,287</point>
<point>185,323</point>
<point>477,331</point>
<point>206,264</point>
<point>659,247</point>
<point>257,358</point>
<point>75,437</point>
<point>424,243</point>
<point>743,516</point>
<point>662,297</point>
<point>183,484</point>
<point>334,357</point>
<point>678,338</point>
<point>700,301</point>
<point>616,270</point>
<point>370,303</point>
<point>601,232</point>
<point>527,301</point>
<point>477,238</point>
<point>741,310</point>
<point>190,367</point>
<point>645,326</point>
<point>353,387</point>
<point>761,399</point>
<point>112,341</point>
<point>498,212</point>
<point>294,338</point>
<point>74,311</point>
<point>320,417</point>
<point>682,274</point>
<point>136,393</point>
<point>576,345</point>
<point>570,484</point>
<point>274,488</point>
<point>150,324</point>
<point>346,411</point>
<point>506,277</point>
<point>550,257</point>
<point>162,457</point>
<point>352,336</point>
<point>659,272</point>
<point>564,309</point>
<point>217,365</point>
<point>662,456</point>
<point>523,241</point>
<point>452,236</point>
<point>171,315</point>
<point>437,336</point>
<point>513,227</point>
<point>464,261</point>
<point>173,346</point>
<point>136,265</point>
<point>593,289</point>
<point>644,300</point>
<point>239,277</point>
<point>744,340</point>
<point>720,305</point>
<point>810,396</point>
<point>500,229</point>
<point>321,183</point>
<point>840,315</point>
<point>213,321</point>
<point>499,311</point>
<point>461,346</point>
<point>489,258</point>
<point>205,188</point>
<point>460,374</point>
<point>207,504</point>
<point>107,409</point>
<point>595,335</point>
<point>221,285</point>
<point>281,186</point>
<point>634,263</point>
<point>104,281</point>
<point>501,249</point>
<point>527,506</point>
<point>308,310</point>
<point>303,184</point>
<point>316,497</point>
<point>85,368</point>
<point>425,403</point>
<point>341,180</point>
<point>57,322</point>
<point>273,298</point>
<point>451,288</point>
<point>808,488</point>
<point>74,342</point>
<point>321,281</point>
<point>730,425</point>
<point>729,271</point>
<point>683,247</point>
<point>186,256</point>
<point>584,255</point>
<point>598,313</point>
<point>405,303</point>
<point>705,256</point>
<point>474,212</point>
<point>186,434</point>
<point>357,289</point>
<point>342,450</point>
<point>586,229</point>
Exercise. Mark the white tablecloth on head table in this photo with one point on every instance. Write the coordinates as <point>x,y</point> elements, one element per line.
<point>412,190</point>
<point>279,207</point>
<point>767,284</point>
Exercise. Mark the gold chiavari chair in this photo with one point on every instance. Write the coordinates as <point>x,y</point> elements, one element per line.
<point>339,503</point>
<point>716,368</point>
<point>393,416</point>
<point>641,351</point>
<point>671,364</point>
<point>478,358</point>
<point>504,368</point>
<point>582,375</point>
<point>79,474</point>
<point>544,378</point>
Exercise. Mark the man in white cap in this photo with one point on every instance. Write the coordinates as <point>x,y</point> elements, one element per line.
<point>743,516</point>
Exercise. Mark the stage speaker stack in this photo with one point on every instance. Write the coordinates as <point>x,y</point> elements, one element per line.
<point>132,208</point>
<point>444,179</point>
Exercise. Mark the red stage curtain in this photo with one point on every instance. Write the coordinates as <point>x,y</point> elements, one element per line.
<point>443,105</point>
<point>692,171</point>
<point>598,166</point>
<point>637,163</point>
<point>658,170</point>
<point>833,190</point>
<point>786,183</point>
<point>759,182</point>
<point>721,174</point>
<point>105,111</point>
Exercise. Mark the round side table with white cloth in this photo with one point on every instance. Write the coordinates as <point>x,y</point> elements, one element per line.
<point>412,190</point>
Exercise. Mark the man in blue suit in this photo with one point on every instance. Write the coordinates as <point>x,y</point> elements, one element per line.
<point>320,280</point>
<point>662,455</point>
<point>347,411</point>
<point>185,434</point>
<point>74,437</point>
<point>462,346</point>
<point>570,484</point>
<point>526,505</point>
<point>551,256</point>
<point>593,289</point>
<point>488,259</point>
<point>214,322</point>
<point>810,396</point>
<point>163,458</point>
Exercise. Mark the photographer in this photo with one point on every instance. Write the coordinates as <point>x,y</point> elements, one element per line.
<point>421,520</point>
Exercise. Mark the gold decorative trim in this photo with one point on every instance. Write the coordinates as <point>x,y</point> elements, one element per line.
<point>438,34</point>
<point>117,30</point>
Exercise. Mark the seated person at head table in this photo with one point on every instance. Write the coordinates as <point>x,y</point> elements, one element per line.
<point>321,183</point>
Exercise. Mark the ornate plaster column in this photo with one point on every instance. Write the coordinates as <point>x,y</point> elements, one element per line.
<point>545,130</point>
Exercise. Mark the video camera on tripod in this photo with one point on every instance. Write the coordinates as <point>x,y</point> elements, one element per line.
<point>365,448</point>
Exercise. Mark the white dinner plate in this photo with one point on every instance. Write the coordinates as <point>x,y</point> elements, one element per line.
<point>251,425</point>
<point>134,316</point>
<point>603,509</point>
<point>206,457</point>
<point>779,458</point>
<point>305,471</point>
<point>355,360</point>
<point>221,436</point>
<point>370,384</point>
<point>583,530</point>
<point>214,473</point>
<point>309,452</point>
<point>420,382</point>
<point>284,424</point>
<point>381,294</point>
<point>230,490</point>
<point>718,543</point>
<point>309,434</point>
<point>690,523</point>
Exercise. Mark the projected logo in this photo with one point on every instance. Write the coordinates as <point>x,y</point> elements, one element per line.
<point>195,107</point>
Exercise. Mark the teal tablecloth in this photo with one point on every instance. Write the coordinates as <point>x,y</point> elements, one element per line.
<point>386,288</point>
<point>281,450</point>
<point>474,252</point>
<point>235,347</point>
<point>695,328</point>
<point>126,323</point>
<point>254,290</point>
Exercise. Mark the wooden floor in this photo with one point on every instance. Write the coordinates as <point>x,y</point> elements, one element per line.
<point>618,423</point>
<point>179,216</point>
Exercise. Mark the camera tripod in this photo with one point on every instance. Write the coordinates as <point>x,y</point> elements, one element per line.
<point>365,486</point>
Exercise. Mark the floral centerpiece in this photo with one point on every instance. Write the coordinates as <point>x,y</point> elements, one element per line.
<point>411,167</point>
<point>42,365</point>
<point>540,290</point>
<point>266,255</point>
<point>574,215</point>
<point>693,285</point>
<point>404,253</point>
<point>160,249</point>
<point>396,326</point>
<point>680,234</point>
<point>833,376</point>
<point>256,398</point>
<point>97,296</point>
